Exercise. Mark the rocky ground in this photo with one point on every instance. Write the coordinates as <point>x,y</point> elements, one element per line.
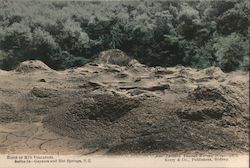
<point>103,108</point>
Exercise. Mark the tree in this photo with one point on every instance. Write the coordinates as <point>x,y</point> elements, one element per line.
<point>16,36</point>
<point>235,19</point>
<point>44,47</point>
<point>231,51</point>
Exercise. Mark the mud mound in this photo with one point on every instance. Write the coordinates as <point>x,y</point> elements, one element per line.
<point>147,127</point>
<point>224,106</point>
<point>213,71</point>
<point>118,106</point>
<point>9,114</point>
<point>42,92</point>
<point>208,93</point>
<point>3,72</point>
<point>89,118</point>
<point>224,93</point>
<point>32,65</point>
<point>117,57</point>
<point>102,108</point>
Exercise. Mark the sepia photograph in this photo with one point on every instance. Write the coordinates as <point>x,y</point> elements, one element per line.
<point>124,83</point>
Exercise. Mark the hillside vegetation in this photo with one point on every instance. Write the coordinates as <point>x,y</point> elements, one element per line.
<point>64,34</point>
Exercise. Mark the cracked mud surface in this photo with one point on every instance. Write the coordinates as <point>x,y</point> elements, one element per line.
<point>111,109</point>
<point>20,137</point>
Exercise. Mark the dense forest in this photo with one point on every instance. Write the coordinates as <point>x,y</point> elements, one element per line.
<point>66,34</point>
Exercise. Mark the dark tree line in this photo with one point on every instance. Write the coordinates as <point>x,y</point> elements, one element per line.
<point>167,33</point>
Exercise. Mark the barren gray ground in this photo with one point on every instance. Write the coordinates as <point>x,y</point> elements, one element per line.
<point>110,109</point>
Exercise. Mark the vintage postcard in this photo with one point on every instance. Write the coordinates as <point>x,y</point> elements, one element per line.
<point>130,84</point>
